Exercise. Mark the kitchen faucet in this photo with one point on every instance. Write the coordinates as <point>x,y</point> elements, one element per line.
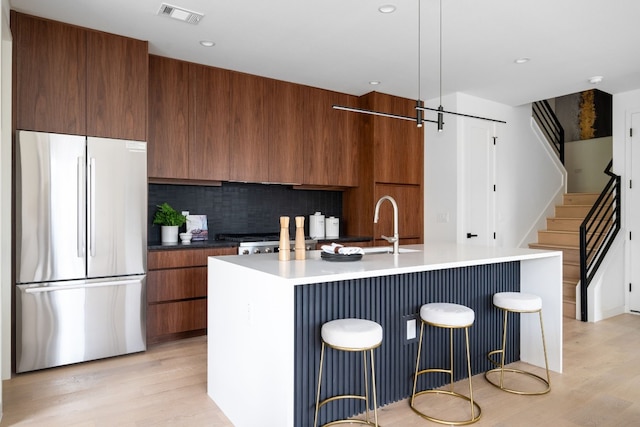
<point>396,238</point>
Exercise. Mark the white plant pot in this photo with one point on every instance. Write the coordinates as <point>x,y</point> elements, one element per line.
<point>169,233</point>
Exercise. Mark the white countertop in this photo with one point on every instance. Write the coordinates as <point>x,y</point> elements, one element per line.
<point>426,257</point>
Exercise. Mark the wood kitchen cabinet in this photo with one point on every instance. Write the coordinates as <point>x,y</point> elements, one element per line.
<point>249,149</point>
<point>397,147</point>
<point>188,121</point>
<point>49,60</point>
<point>177,292</point>
<point>391,163</point>
<point>168,145</point>
<point>286,110</point>
<point>68,79</point>
<point>331,139</point>
<point>210,125</point>
<point>267,130</point>
<point>117,82</point>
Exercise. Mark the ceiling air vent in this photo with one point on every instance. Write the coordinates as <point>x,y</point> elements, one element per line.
<point>180,14</point>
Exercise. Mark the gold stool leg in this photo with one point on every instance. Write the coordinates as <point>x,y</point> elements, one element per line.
<point>373,385</point>
<point>366,384</point>
<point>319,403</point>
<point>473,408</point>
<point>500,369</point>
<point>474,416</point>
<point>315,417</point>
<point>416,372</point>
<point>544,347</point>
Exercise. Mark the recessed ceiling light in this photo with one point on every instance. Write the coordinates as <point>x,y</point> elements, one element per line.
<point>387,8</point>
<point>595,80</point>
<point>522,60</point>
<point>374,82</point>
<point>207,43</point>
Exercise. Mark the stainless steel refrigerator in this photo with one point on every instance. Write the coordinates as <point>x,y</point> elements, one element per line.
<point>81,249</point>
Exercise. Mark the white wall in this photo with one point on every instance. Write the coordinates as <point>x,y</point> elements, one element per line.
<point>5,196</point>
<point>529,178</point>
<point>585,162</point>
<point>623,105</point>
<point>441,175</point>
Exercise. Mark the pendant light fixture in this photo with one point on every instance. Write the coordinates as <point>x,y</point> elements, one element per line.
<point>420,108</point>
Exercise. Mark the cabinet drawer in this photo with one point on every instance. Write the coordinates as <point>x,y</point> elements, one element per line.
<point>185,257</point>
<point>175,284</point>
<point>175,317</point>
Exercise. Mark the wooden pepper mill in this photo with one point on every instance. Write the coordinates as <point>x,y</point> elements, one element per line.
<point>300,249</point>
<point>284,253</point>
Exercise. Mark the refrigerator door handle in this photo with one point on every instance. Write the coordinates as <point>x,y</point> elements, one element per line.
<point>92,206</point>
<point>40,289</point>
<point>80,210</point>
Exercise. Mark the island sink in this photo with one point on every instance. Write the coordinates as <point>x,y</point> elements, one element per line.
<point>387,250</point>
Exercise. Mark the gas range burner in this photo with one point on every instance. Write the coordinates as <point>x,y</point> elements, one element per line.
<point>262,243</point>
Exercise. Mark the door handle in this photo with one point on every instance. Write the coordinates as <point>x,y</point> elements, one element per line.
<point>469,235</point>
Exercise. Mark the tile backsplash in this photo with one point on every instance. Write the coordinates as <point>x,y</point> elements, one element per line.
<point>242,208</point>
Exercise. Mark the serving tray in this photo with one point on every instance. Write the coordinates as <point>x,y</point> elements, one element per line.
<point>339,257</point>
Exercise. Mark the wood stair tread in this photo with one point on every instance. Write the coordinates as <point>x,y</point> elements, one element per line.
<point>555,247</point>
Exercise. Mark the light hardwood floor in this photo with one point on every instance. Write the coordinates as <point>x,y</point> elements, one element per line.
<point>166,386</point>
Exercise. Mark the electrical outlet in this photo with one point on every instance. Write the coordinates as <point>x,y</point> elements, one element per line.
<point>442,217</point>
<point>411,329</point>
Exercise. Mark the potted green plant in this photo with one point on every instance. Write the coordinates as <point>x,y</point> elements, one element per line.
<point>170,220</point>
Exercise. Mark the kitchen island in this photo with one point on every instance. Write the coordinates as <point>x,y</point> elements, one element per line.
<point>264,319</point>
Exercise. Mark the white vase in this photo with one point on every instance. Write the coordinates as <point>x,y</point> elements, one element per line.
<point>169,233</point>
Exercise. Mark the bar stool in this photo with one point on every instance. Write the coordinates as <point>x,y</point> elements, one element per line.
<point>356,335</point>
<point>449,316</point>
<point>516,302</point>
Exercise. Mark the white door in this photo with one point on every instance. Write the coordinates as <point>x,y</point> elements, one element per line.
<point>478,195</point>
<point>634,207</point>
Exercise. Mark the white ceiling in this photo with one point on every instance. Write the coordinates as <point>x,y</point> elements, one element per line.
<point>343,44</point>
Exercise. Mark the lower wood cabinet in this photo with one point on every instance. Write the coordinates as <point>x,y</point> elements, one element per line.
<point>177,293</point>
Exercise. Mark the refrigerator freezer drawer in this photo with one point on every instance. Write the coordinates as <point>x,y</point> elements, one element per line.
<point>68,322</point>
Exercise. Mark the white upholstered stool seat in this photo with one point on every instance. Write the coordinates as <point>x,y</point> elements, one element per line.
<point>449,316</point>
<point>516,302</point>
<point>353,335</point>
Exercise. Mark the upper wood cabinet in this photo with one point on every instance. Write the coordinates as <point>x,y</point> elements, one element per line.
<point>397,144</point>
<point>249,146</point>
<point>391,163</point>
<point>168,145</point>
<point>117,81</point>
<point>285,107</point>
<point>210,125</point>
<point>188,121</point>
<point>77,81</point>
<point>49,75</point>
<point>330,138</point>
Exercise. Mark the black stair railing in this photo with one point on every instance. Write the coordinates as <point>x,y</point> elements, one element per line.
<point>550,126</point>
<point>597,232</point>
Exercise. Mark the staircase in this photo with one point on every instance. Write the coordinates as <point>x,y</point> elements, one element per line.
<point>562,234</point>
